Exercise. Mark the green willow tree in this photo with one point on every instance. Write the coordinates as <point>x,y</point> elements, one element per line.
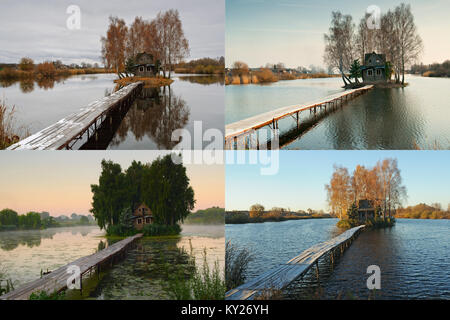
<point>109,197</point>
<point>163,185</point>
<point>167,192</point>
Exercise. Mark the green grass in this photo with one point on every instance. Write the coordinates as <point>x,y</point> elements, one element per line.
<point>203,284</point>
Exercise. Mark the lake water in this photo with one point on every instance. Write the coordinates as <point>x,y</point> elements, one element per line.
<point>149,122</point>
<point>141,275</point>
<point>414,258</point>
<point>400,118</point>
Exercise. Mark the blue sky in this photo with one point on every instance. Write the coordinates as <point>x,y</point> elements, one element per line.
<point>302,176</point>
<point>291,31</point>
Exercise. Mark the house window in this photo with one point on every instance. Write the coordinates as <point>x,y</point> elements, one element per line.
<point>141,69</point>
<point>369,72</point>
<point>378,72</point>
<point>149,68</point>
<point>147,220</point>
<point>139,221</point>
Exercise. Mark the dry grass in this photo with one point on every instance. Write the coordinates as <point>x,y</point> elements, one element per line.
<point>47,70</point>
<point>265,76</point>
<point>148,82</point>
<point>8,135</point>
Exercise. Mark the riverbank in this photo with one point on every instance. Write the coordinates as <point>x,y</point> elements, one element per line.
<point>148,82</point>
<point>243,219</point>
<point>47,71</point>
<point>267,76</point>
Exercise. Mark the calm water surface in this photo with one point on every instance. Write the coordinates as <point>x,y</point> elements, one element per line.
<point>401,118</point>
<point>414,258</point>
<point>147,124</point>
<point>141,275</point>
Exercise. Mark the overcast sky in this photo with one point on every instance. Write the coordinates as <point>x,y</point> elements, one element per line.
<point>37,29</point>
<point>291,31</point>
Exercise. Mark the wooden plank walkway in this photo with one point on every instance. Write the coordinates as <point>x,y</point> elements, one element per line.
<point>61,134</point>
<point>238,128</point>
<point>56,280</point>
<point>281,276</point>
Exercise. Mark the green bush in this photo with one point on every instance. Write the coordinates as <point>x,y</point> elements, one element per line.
<point>161,230</point>
<point>43,295</point>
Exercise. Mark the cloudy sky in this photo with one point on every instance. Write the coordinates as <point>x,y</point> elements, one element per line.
<point>59,181</point>
<point>37,29</point>
<point>291,31</point>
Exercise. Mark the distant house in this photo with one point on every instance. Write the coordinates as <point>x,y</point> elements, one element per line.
<point>366,210</point>
<point>142,215</point>
<point>145,66</point>
<point>374,68</point>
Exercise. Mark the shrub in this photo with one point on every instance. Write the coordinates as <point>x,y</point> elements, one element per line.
<point>265,75</point>
<point>46,70</point>
<point>43,295</point>
<point>161,230</point>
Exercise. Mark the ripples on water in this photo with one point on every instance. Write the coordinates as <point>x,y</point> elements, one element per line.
<point>414,258</point>
<point>399,118</point>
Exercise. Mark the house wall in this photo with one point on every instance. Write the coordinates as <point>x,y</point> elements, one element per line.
<point>370,75</point>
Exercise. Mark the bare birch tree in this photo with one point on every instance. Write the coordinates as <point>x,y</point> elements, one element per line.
<point>339,44</point>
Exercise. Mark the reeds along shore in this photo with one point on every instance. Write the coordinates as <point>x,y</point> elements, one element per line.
<point>46,71</point>
<point>267,76</point>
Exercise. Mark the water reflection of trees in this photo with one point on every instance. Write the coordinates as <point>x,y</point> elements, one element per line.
<point>27,85</point>
<point>32,238</point>
<point>205,80</point>
<point>156,113</point>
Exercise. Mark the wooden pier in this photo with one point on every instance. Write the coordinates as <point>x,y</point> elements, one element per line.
<point>238,134</point>
<point>281,276</point>
<point>56,280</point>
<point>66,132</point>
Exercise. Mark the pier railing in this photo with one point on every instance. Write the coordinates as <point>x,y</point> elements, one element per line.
<point>56,280</point>
<point>66,132</point>
<point>240,134</point>
<point>281,276</point>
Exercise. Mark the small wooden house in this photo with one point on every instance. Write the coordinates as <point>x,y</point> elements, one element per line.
<point>145,66</point>
<point>366,210</point>
<point>374,68</point>
<point>142,215</point>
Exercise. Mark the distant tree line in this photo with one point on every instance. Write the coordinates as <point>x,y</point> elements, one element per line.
<point>432,70</point>
<point>214,215</point>
<point>424,211</point>
<point>163,37</point>
<point>11,220</point>
<point>257,213</point>
<point>396,37</point>
<point>28,69</point>
<point>202,66</point>
<point>381,184</point>
<point>162,185</point>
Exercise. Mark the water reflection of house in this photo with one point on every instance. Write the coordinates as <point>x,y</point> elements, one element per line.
<point>374,68</point>
<point>142,215</point>
<point>148,98</point>
<point>366,210</point>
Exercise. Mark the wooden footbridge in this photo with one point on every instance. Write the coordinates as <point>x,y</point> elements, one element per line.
<point>281,276</point>
<point>66,132</point>
<point>56,280</point>
<point>238,134</point>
